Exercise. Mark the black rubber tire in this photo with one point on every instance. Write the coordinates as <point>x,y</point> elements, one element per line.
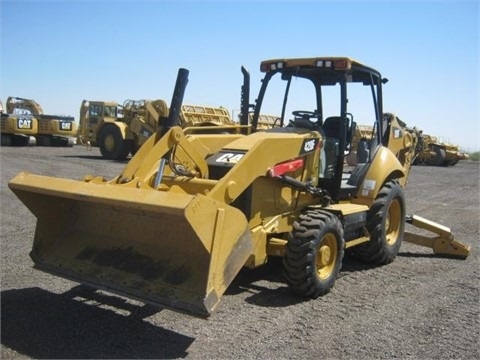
<point>386,225</point>
<point>439,157</point>
<point>454,161</point>
<point>112,145</point>
<point>134,148</point>
<point>314,253</point>
<point>417,161</point>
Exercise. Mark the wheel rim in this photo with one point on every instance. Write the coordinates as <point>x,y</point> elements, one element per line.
<point>326,256</point>
<point>392,222</point>
<point>109,142</point>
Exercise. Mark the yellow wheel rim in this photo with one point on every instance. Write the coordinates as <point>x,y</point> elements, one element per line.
<point>109,142</point>
<point>392,222</point>
<point>327,256</point>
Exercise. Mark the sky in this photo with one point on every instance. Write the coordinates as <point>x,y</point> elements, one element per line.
<point>61,52</point>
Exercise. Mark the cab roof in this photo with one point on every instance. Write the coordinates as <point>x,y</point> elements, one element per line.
<point>315,66</point>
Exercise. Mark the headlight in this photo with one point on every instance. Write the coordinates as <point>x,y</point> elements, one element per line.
<point>276,66</point>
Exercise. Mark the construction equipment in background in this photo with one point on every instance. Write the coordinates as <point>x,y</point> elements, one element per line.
<point>190,210</point>
<point>119,130</point>
<point>433,152</point>
<point>94,115</point>
<point>266,121</point>
<point>17,130</point>
<point>53,130</point>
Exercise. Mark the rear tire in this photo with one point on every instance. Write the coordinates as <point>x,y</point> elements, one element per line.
<point>314,253</point>
<point>386,225</point>
<point>112,145</point>
<point>454,161</point>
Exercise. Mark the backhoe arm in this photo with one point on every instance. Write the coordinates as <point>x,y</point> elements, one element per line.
<point>443,244</point>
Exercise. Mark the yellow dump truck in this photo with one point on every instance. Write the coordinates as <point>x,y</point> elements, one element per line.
<point>119,130</point>
<point>190,209</point>
<point>434,152</point>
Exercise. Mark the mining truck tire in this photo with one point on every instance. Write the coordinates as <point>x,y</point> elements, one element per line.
<point>112,145</point>
<point>439,157</point>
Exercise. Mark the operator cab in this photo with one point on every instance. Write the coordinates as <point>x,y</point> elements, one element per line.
<point>332,89</point>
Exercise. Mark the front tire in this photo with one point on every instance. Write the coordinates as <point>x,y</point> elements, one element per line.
<point>112,145</point>
<point>386,225</point>
<point>314,253</point>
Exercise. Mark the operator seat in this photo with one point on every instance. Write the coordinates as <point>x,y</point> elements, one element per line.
<point>335,129</point>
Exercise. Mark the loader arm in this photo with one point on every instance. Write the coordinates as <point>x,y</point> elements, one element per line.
<point>172,249</point>
<point>442,244</point>
<point>146,161</point>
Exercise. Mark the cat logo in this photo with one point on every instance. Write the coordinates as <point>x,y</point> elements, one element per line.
<point>65,125</point>
<point>231,158</point>
<point>23,123</point>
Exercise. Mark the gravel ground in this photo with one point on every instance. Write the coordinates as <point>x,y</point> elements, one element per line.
<point>418,307</point>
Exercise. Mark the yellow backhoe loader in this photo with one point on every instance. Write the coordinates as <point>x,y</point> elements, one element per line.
<point>53,130</point>
<point>191,209</point>
<point>119,130</point>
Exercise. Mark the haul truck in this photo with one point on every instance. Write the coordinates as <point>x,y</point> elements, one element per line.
<point>119,130</point>
<point>433,152</point>
<point>190,210</point>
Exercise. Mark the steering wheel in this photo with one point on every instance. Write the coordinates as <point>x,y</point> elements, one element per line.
<point>304,114</point>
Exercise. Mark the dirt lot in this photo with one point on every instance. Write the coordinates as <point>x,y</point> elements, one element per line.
<point>418,307</point>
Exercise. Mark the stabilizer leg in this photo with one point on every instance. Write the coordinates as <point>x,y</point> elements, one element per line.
<point>443,244</point>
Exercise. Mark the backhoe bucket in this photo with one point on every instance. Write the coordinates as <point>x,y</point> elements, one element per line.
<point>175,250</point>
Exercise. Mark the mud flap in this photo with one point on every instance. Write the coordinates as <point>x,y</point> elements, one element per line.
<point>174,250</point>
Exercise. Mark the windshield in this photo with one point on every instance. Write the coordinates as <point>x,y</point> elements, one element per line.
<point>110,111</point>
<point>301,96</point>
<point>283,97</point>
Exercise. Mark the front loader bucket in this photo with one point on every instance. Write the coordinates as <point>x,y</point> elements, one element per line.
<point>175,250</point>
